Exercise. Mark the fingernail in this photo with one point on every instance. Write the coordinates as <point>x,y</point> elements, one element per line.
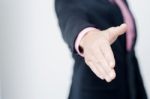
<point>102,77</point>
<point>108,80</point>
<point>124,24</point>
<point>112,64</point>
<point>112,75</point>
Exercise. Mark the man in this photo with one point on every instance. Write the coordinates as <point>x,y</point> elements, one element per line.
<point>105,62</point>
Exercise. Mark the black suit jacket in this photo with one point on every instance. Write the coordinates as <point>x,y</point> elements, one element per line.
<point>76,15</point>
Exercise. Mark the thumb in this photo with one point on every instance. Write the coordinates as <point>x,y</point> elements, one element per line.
<point>121,29</point>
<point>114,32</point>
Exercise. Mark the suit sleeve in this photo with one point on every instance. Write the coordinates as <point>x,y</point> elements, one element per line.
<point>72,18</point>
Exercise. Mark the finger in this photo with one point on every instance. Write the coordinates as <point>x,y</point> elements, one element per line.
<point>90,61</point>
<point>108,54</point>
<point>113,74</point>
<point>114,32</point>
<point>109,73</point>
<point>92,57</point>
<point>119,30</point>
<point>98,72</point>
<point>102,64</point>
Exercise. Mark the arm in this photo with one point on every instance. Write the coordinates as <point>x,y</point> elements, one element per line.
<point>72,19</point>
<point>97,52</point>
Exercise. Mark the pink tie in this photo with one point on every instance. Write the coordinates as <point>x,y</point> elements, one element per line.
<point>128,20</point>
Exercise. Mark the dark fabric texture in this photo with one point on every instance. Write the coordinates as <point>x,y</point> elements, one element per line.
<point>74,16</point>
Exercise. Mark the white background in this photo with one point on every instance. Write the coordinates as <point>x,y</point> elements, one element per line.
<point>35,62</point>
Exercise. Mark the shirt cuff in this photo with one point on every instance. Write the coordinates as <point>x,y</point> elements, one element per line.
<point>79,37</point>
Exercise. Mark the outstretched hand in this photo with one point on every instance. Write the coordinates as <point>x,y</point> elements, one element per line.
<point>97,51</point>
